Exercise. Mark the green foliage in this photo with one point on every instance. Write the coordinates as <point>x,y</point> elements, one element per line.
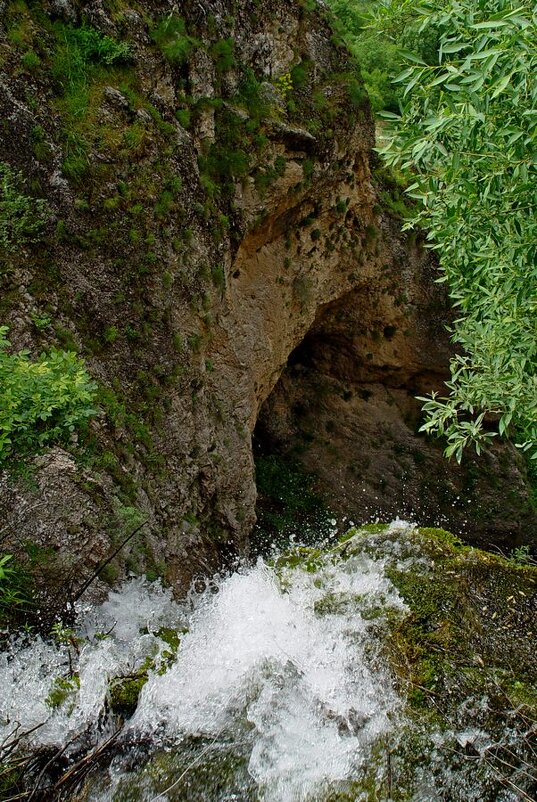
<point>30,61</point>
<point>41,321</point>
<point>378,65</point>
<point>251,96</point>
<point>40,147</point>
<point>521,555</point>
<point>379,53</point>
<point>218,276</point>
<point>13,588</point>
<point>96,47</point>
<point>287,504</point>
<point>79,55</point>
<point>62,634</point>
<point>222,53</point>
<point>265,176</point>
<point>377,56</point>
<point>351,14</point>
<point>63,689</point>
<point>284,84</point>
<point>171,38</point>
<point>5,570</point>
<point>228,158</point>
<point>184,117</point>
<point>300,73</point>
<point>308,5</point>
<point>79,47</point>
<point>468,130</point>
<point>22,217</point>
<point>41,401</point>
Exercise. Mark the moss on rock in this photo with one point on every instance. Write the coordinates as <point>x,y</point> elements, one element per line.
<point>462,653</point>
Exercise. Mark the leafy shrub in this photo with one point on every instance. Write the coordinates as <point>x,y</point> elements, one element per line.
<point>251,95</point>
<point>30,61</point>
<point>21,217</point>
<point>468,132</point>
<point>97,47</point>
<point>184,117</point>
<point>284,84</point>
<point>41,401</point>
<point>380,53</point>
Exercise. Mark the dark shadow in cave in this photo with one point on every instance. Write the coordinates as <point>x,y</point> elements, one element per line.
<point>348,424</point>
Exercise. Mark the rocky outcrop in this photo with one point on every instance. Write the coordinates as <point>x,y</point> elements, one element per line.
<point>213,207</point>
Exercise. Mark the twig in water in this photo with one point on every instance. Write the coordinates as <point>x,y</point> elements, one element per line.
<point>188,768</point>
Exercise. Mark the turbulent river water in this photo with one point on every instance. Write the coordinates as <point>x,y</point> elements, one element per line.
<point>278,690</point>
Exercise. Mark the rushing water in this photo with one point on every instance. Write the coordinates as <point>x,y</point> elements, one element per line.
<point>278,692</point>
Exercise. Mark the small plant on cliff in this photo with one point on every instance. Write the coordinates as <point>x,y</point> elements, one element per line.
<point>223,56</point>
<point>22,217</point>
<point>171,38</point>
<point>82,56</point>
<point>41,401</point>
<point>80,47</point>
<point>10,582</point>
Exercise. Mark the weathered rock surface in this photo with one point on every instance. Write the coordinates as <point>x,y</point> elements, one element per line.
<point>205,221</point>
<point>345,407</point>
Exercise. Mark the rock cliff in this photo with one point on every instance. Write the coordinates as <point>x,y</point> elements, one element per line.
<point>221,248</point>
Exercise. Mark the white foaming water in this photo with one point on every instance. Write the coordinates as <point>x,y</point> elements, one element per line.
<point>302,680</point>
<point>286,660</point>
<point>29,671</point>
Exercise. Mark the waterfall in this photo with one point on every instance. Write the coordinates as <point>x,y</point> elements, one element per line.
<point>269,684</point>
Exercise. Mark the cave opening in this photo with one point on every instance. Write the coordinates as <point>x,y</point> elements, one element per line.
<point>338,439</point>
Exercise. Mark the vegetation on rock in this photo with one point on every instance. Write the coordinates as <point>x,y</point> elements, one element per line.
<point>22,217</point>
<point>43,401</point>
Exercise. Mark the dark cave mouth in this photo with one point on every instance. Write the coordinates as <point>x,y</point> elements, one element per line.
<point>326,449</point>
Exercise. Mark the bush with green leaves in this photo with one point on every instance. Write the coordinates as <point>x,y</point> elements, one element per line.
<point>379,53</point>
<point>377,56</point>
<point>22,217</point>
<point>223,56</point>
<point>467,133</point>
<point>41,401</point>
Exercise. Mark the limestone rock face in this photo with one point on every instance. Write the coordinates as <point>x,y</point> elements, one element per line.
<point>211,213</point>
